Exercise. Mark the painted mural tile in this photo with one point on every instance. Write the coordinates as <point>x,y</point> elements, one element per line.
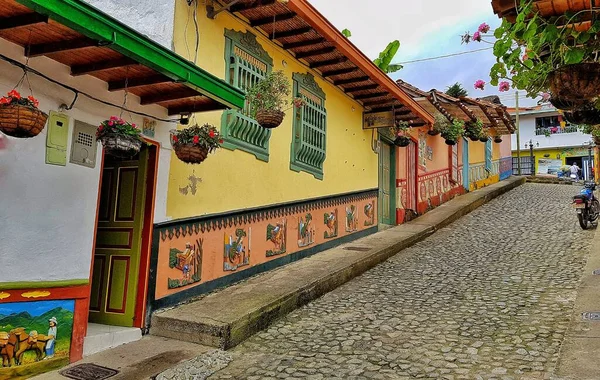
<point>306,231</point>
<point>369,210</point>
<point>189,262</point>
<point>351,219</point>
<point>35,337</point>
<point>331,222</point>
<point>277,234</point>
<point>237,253</point>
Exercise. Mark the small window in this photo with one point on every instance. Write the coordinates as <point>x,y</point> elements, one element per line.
<point>547,122</point>
<point>310,127</point>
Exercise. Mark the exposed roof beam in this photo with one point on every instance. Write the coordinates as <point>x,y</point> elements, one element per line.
<point>210,106</point>
<point>381,103</point>
<point>22,20</point>
<point>299,44</point>
<point>290,33</point>
<point>116,85</point>
<point>312,53</point>
<point>350,80</point>
<point>332,73</point>
<point>93,67</point>
<point>373,95</point>
<point>272,19</point>
<point>329,62</point>
<point>59,46</point>
<point>362,88</point>
<point>167,96</point>
<point>241,7</point>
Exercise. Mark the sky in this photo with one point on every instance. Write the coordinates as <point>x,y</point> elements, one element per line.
<point>34,308</point>
<point>425,29</point>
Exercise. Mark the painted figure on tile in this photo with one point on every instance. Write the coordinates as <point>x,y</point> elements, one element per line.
<point>446,188</point>
<point>431,188</point>
<point>404,197</point>
<point>189,262</point>
<point>370,213</point>
<point>236,255</point>
<point>306,232</point>
<point>422,191</point>
<point>438,185</point>
<point>277,235</point>
<point>422,150</point>
<point>351,219</point>
<point>429,153</point>
<point>24,351</point>
<point>331,221</point>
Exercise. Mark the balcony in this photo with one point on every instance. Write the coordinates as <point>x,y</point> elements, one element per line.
<point>556,130</point>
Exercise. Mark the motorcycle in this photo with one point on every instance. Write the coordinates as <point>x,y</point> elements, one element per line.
<point>587,205</point>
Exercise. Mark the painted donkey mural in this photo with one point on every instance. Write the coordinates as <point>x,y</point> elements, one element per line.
<point>15,343</point>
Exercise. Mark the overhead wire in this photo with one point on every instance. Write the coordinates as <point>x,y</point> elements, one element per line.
<point>445,56</point>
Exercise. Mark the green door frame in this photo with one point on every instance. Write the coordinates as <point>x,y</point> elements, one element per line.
<point>392,221</point>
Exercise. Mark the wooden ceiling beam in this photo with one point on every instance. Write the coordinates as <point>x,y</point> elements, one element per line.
<point>369,96</point>
<point>328,62</point>
<point>241,7</point>
<point>299,44</point>
<point>341,82</point>
<point>117,85</point>
<point>362,88</point>
<point>272,19</point>
<point>89,68</point>
<point>167,96</point>
<point>290,33</point>
<point>22,20</point>
<point>333,73</point>
<point>58,46</point>
<point>380,103</point>
<point>312,53</point>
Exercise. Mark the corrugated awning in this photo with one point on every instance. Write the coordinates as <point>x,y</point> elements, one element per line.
<point>91,43</point>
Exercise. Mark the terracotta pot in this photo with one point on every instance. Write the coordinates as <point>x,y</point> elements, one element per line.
<point>433,132</point>
<point>21,121</point>
<point>484,139</point>
<point>497,140</point>
<point>269,118</point>
<point>402,141</point>
<point>450,142</point>
<point>573,82</point>
<point>121,146</point>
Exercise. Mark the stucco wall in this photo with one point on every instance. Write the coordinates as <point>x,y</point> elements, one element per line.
<point>232,180</point>
<point>527,131</point>
<point>48,212</point>
<point>153,18</point>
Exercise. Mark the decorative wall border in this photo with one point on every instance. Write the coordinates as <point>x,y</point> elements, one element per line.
<point>505,168</point>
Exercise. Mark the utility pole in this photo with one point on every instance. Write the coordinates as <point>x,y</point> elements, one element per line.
<point>518,131</point>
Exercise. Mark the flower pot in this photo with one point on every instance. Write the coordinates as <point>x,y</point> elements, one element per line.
<point>121,146</point>
<point>497,140</point>
<point>450,142</point>
<point>586,114</point>
<point>574,82</point>
<point>566,104</point>
<point>433,132</point>
<point>21,121</point>
<point>269,118</point>
<point>402,141</point>
<point>190,153</point>
<point>484,139</point>
<point>473,137</point>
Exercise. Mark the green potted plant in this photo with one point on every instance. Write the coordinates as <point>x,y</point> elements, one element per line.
<point>593,130</point>
<point>585,114</point>
<point>120,138</point>
<point>439,125</point>
<point>474,129</point>
<point>20,117</point>
<point>453,131</point>
<point>484,136</point>
<point>193,144</point>
<point>401,132</point>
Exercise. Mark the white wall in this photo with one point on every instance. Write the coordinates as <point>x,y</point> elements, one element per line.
<point>154,18</point>
<point>559,140</point>
<point>47,212</point>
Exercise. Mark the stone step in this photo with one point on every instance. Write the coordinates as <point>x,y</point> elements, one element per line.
<point>103,337</point>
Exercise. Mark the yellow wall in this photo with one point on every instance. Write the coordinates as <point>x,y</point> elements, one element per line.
<point>476,152</point>
<point>232,180</point>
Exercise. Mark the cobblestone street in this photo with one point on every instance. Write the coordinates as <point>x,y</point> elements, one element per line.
<point>488,297</point>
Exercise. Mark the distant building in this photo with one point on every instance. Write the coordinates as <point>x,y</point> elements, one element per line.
<point>556,142</point>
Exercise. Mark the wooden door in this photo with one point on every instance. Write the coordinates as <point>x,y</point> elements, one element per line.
<point>387,183</point>
<point>116,263</point>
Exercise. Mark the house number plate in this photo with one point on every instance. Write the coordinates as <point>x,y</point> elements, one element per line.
<point>591,316</point>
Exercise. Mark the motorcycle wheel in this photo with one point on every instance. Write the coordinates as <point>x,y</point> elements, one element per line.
<point>595,209</point>
<point>583,220</point>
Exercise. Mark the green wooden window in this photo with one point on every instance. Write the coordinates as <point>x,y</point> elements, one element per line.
<point>247,63</point>
<point>310,127</point>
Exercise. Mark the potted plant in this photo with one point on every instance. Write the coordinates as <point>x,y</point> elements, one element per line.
<point>474,129</point>
<point>120,138</point>
<point>497,139</point>
<point>192,145</point>
<point>453,131</point>
<point>20,117</point>
<point>484,136</point>
<point>439,124</point>
<point>584,114</point>
<point>401,133</point>
<point>593,130</point>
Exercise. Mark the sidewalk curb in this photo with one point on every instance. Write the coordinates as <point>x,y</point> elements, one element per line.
<point>226,318</point>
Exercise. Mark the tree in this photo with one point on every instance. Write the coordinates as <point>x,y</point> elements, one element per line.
<point>384,61</point>
<point>456,90</point>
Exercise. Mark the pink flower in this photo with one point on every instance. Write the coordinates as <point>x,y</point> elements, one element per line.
<point>101,128</point>
<point>545,96</point>
<point>111,123</point>
<point>113,118</point>
<point>479,84</point>
<point>477,36</point>
<point>483,28</point>
<point>133,126</point>
<point>504,86</point>
<point>196,139</point>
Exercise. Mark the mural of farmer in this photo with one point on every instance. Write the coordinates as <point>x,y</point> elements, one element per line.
<point>52,336</point>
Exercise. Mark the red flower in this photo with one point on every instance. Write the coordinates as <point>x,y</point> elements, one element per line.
<point>134,126</point>
<point>14,94</point>
<point>196,139</point>
<point>33,100</point>
<point>175,139</point>
<point>211,133</point>
<point>5,100</point>
<point>221,141</point>
<point>101,128</point>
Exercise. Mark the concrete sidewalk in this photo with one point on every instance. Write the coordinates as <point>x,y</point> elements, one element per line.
<point>227,317</point>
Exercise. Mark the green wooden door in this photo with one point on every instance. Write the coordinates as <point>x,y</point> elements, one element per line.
<point>387,184</point>
<point>118,241</point>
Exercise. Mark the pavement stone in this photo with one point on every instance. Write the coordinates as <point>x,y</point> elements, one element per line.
<point>487,297</point>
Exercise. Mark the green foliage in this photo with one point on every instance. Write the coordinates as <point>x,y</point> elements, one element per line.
<point>269,94</point>
<point>474,129</point>
<point>347,33</point>
<point>207,136</point>
<point>173,257</point>
<point>453,131</point>
<point>593,130</point>
<point>456,90</point>
<point>118,126</point>
<point>440,123</point>
<point>384,61</point>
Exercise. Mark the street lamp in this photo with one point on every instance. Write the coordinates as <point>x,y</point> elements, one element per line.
<point>589,145</point>
<point>530,144</point>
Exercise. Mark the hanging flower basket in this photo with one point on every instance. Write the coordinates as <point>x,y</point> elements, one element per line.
<point>562,103</point>
<point>120,138</point>
<point>497,139</point>
<point>453,131</point>
<point>586,114</point>
<point>474,129</point>
<point>450,142</point>
<point>20,117</point>
<point>484,139</point>
<point>269,118</point>
<point>433,132</point>
<point>192,145</point>
<point>402,141</point>
<point>579,81</point>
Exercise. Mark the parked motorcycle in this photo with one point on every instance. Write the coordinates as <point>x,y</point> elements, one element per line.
<point>587,205</point>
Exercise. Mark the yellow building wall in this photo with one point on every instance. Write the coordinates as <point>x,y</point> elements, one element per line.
<point>476,152</point>
<point>231,180</point>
